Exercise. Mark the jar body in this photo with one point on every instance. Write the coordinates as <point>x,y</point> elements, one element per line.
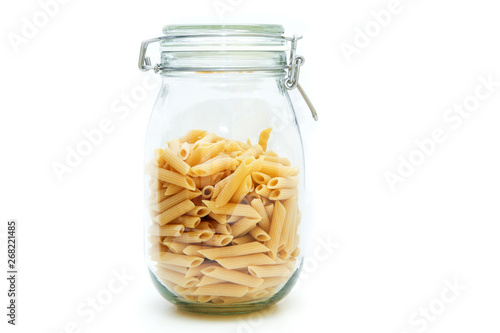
<point>224,191</point>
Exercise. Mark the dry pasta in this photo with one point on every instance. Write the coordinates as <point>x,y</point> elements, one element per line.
<point>225,218</point>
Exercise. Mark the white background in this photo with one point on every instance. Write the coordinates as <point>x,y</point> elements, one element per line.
<point>397,248</point>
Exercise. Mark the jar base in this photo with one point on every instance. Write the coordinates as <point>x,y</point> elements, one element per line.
<point>224,309</point>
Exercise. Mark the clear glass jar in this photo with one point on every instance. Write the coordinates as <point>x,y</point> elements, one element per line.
<point>224,168</point>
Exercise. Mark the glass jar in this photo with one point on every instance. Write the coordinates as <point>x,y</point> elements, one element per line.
<point>224,168</point>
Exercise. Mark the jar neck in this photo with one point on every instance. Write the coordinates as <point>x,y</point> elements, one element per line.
<point>224,61</point>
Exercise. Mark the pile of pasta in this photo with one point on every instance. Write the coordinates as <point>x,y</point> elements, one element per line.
<point>225,218</point>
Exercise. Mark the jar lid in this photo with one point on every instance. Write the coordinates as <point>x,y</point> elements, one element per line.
<point>193,29</point>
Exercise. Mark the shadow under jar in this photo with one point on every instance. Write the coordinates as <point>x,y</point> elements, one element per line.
<point>224,168</point>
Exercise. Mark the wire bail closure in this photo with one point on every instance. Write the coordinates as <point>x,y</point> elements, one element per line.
<point>292,69</point>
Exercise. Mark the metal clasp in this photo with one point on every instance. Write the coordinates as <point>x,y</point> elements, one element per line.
<point>292,81</point>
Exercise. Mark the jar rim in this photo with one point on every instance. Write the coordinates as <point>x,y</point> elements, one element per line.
<point>194,29</point>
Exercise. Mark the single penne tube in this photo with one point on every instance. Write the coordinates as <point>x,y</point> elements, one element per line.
<point>204,152</point>
<point>157,196</point>
<point>258,294</point>
<point>178,269</point>
<point>199,211</point>
<point>243,226</point>
<point>232,146</point>
<point>283,193</point>
<point>173,178</point>
<point>253,151</point>
<point>276,227</point>
<point>238,177</point>
<point>176,259</point>
<point>207,138</point>
<point>283,182</point>
<point>242,240</point>
<point>208,280</point>
<point>174,246</point>
<point>245,261</point>
<point>175,277</point>
<point>219,240</point>
<point>259,234</point>
<point>198,236</point>
<point>287,234</point>
<point>214,166</point>
<point>270,210</point>
<point>205,225</point>
<point>233,218</point>
<point>222,219</point>
<point>185,150</point>
<point>264,137</point>
<point>187,221</point>
<point>261,178</point>
<point>222,289</point>
<point>175,161</point>
<point>274,169</point>
<point>234,250</point>
<point>269,282</point>
<point>192,136</point>
<point>167,230</point>
<point>207,192</point>
<point>295,253</point>
<point>263,190</point>
<point>176,211</point>
<point>192,250</point>
<point>173,189</point>
<point>175,199</point>
<point>223,229</point>
<point>242,191</point>
<point>269,271</point>
<point>196,271</point>
<point>220,185</point>
<point>265,222</point>
<point>232,209</point>
<point>233,276</point>
<point>276,159</point>
<point>182,291</point>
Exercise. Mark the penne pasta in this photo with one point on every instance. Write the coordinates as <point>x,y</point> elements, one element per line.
<point>269,271</point>
<point>276,228</point>
<point>175,277</point>
<point>222,289</point>
<point>176,211</point>
<point>219,240</point>
<point>207,192</point>
<point>234,251</point>
<point>283,193</point>
<point>226,218</point>
<point>199,211</point>
<point>176,259</point>
<point>238,177</point>
<point>245,261</point>
<point>175,199</point>
<point>265,222</point>
<point>259,234</point>
<point>173,178</point>
<point>175,161</point>
<point>281,182</point>
<point>232,209</point>
<point>264,137</point>
<point>261,178</point>
<point>167,230</point>
<point>243,226</point>
<point>233,276</point>
<point>192,136</point>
